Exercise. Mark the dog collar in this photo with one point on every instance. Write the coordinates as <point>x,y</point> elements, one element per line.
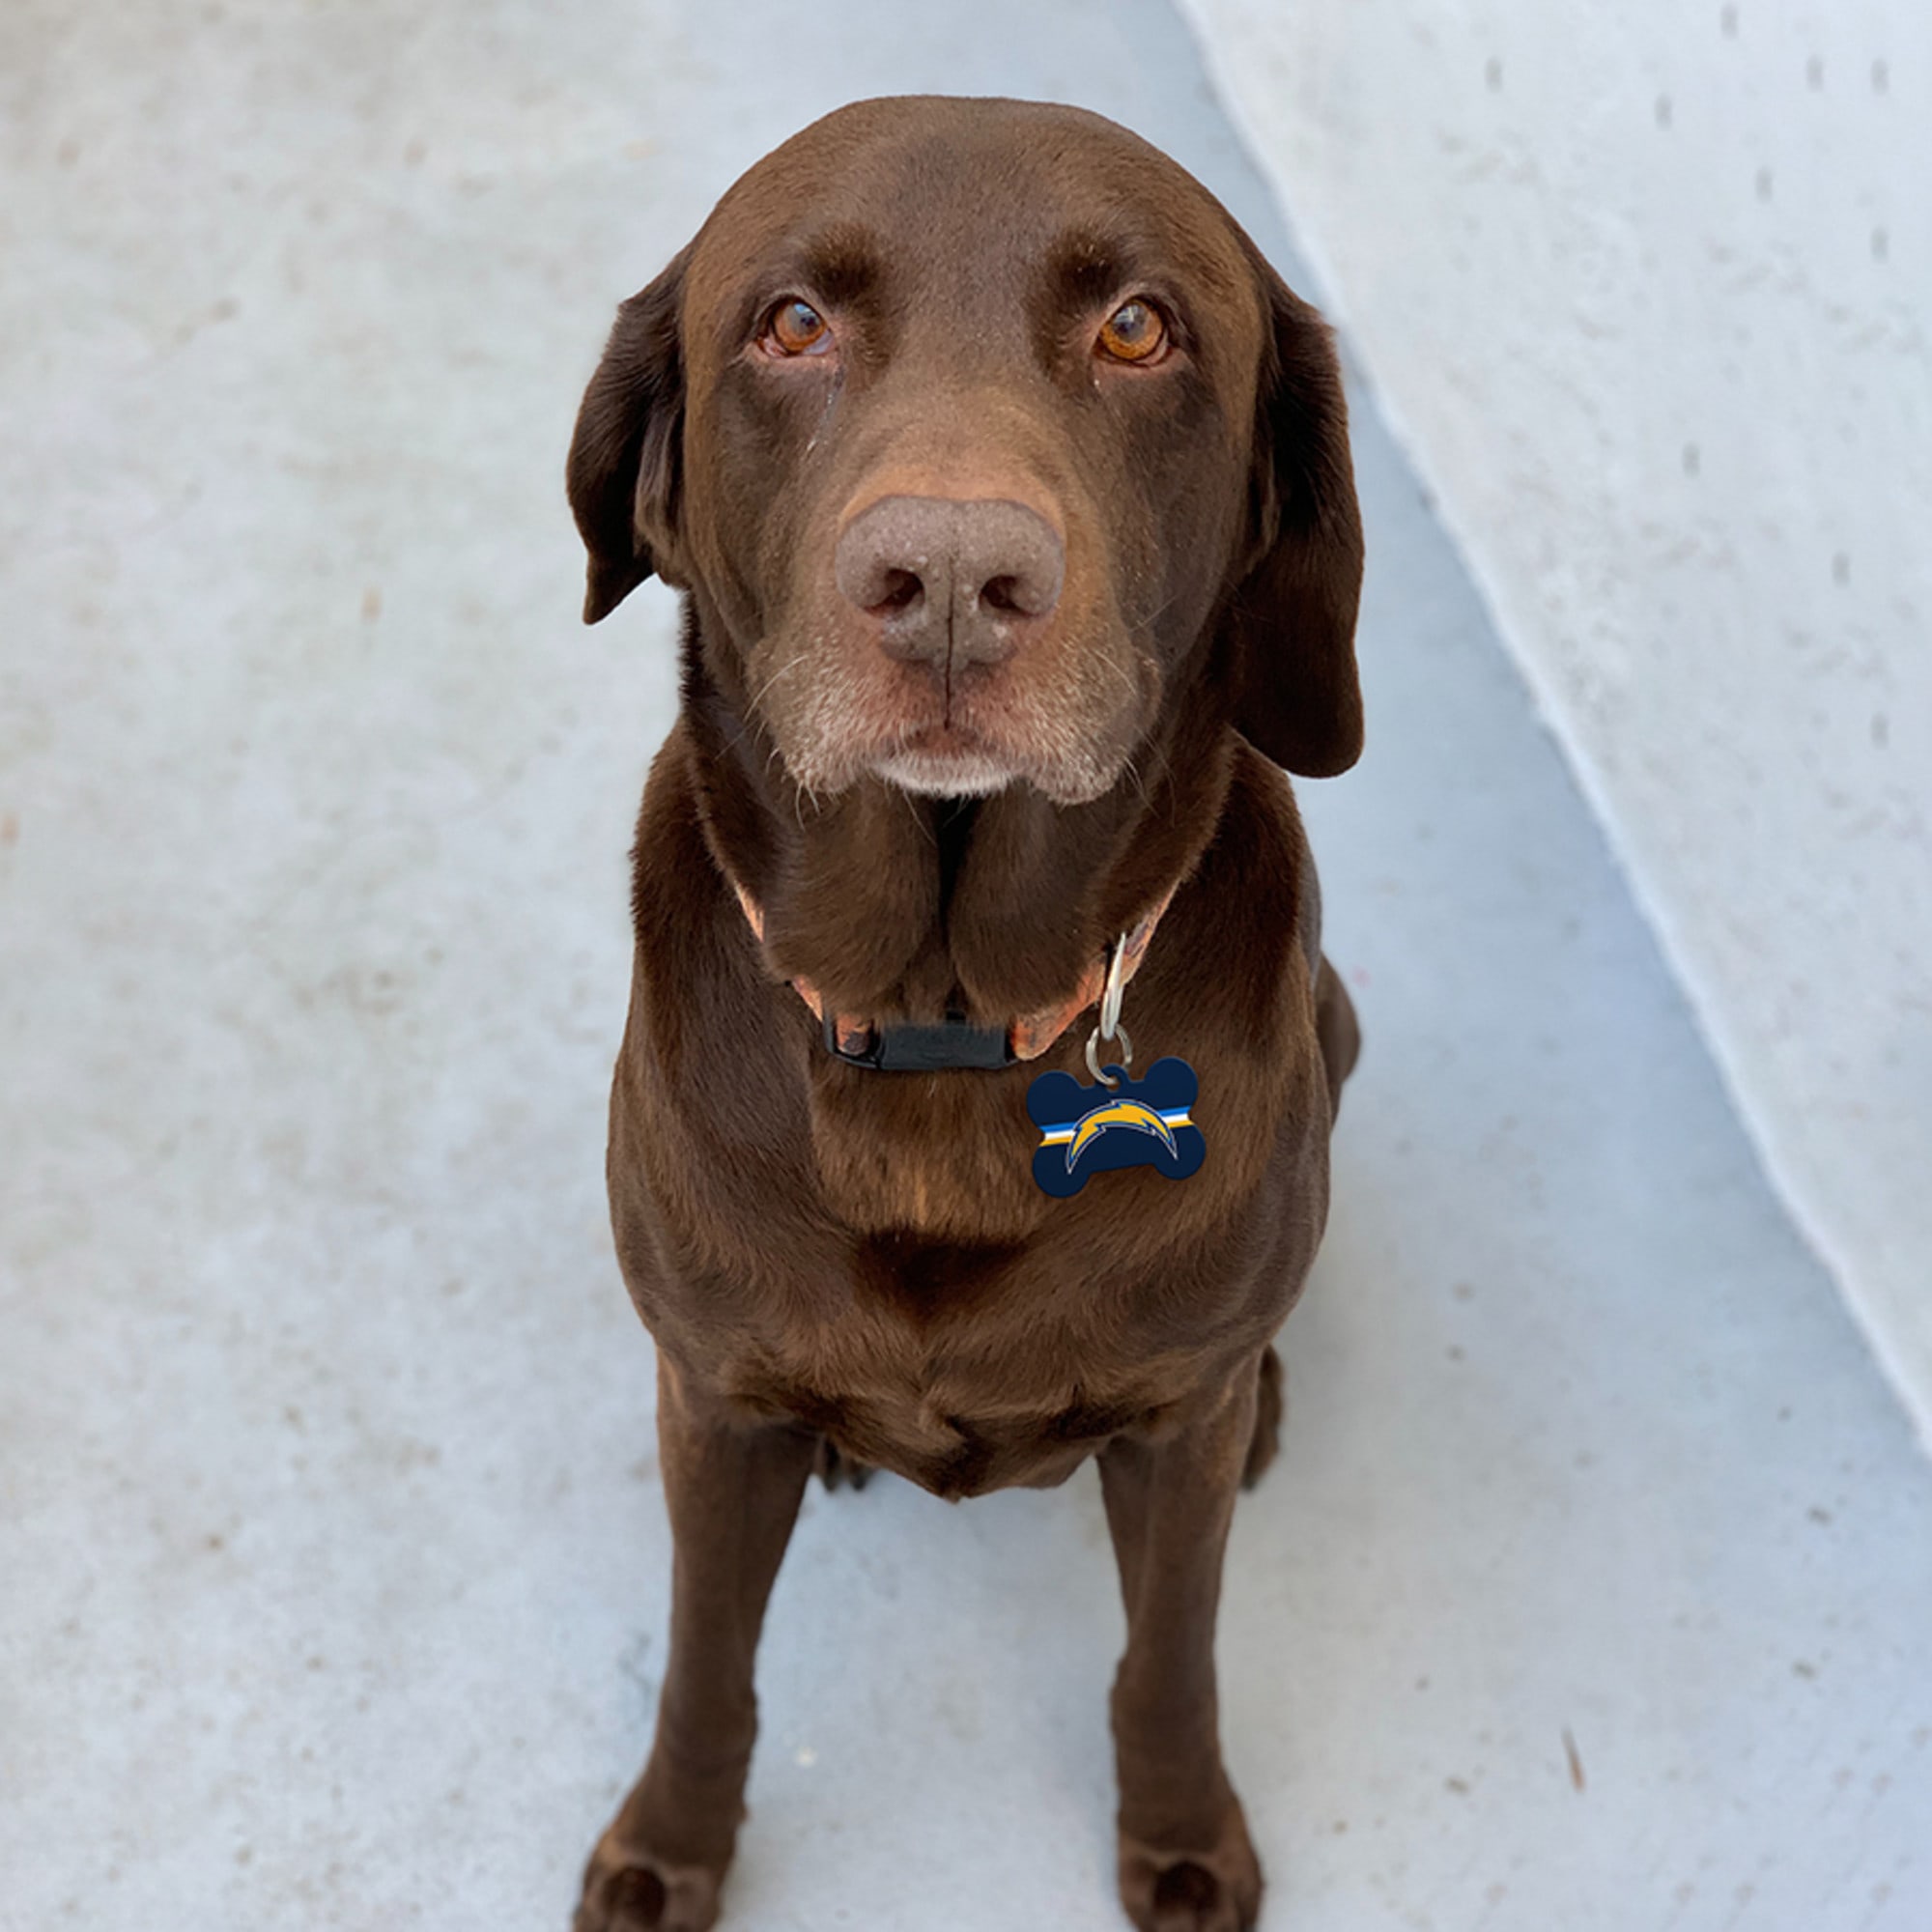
<point>911,1047</point>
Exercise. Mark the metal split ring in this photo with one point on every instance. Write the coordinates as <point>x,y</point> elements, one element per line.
<point>1123,1060</point>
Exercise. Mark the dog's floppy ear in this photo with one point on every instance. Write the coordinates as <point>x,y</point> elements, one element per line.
<point>625,463</point>
<point>1294,612</point>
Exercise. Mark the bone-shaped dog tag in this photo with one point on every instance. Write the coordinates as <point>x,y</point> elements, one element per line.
<point>1144,1123</point>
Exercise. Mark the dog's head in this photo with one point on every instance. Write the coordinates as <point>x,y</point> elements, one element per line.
<point>975,427</point>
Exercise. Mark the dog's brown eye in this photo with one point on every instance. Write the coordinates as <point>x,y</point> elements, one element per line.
<point>797,329</point>
<point>1134,332</point>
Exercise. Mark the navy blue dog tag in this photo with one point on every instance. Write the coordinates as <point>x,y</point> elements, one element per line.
<point>1145,1122</point>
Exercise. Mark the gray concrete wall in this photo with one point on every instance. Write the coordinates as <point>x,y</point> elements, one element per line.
<point>1646,291</point>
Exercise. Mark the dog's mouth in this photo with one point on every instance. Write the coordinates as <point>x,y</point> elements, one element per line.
<point>948,762</point>
<point>986,733</point>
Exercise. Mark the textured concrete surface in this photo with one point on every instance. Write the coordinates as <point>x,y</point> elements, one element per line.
<point>332,1563</point>
<point>1647,292</point>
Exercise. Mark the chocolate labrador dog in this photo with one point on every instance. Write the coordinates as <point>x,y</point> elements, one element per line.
<point>1009,494</point>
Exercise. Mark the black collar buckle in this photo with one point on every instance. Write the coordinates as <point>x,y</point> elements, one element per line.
<point>913,1048</point>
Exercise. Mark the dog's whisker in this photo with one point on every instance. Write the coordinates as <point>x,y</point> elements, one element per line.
<point>783,670</point>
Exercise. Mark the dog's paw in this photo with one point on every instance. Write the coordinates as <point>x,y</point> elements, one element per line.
<point>838,1470</point>
<point>627,1889</point>
<point>1217,1890</point>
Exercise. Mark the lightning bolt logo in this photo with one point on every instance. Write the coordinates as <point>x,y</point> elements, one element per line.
<point>1134,1113</point>
<point>1154,1115</point>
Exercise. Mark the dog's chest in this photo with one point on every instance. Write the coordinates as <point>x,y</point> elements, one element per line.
<point>968,1369</point>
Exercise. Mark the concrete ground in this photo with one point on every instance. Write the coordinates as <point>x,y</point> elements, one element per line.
<point>1592,1591</point>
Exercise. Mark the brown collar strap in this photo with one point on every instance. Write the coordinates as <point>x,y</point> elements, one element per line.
<point>954,1043</point>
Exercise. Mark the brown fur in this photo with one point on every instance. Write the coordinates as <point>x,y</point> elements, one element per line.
<point>850,1270</point>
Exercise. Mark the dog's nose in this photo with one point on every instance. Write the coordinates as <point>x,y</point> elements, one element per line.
<point>951,581</point>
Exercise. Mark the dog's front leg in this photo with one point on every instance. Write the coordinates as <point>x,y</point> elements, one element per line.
<point>1186,1862</point>
<point>733,1491</point>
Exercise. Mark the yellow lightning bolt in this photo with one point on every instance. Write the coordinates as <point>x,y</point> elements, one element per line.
<point>1135,1114</point>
